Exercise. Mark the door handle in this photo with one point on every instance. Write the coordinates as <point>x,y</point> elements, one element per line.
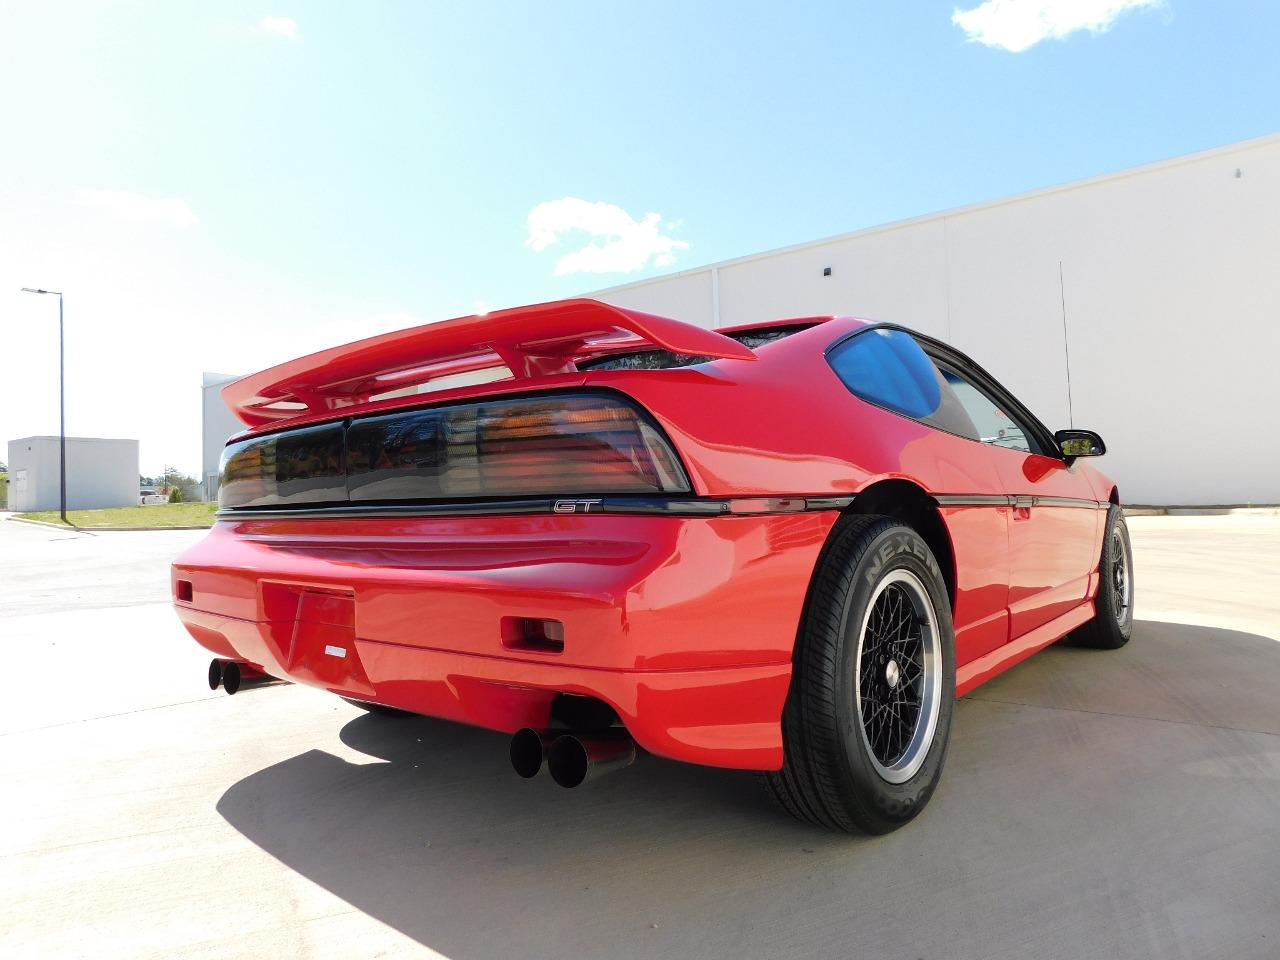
<point>1022,507</point>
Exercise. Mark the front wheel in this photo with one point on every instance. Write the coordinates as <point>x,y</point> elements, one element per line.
<point>868,718</point>
<point>1112,622</point>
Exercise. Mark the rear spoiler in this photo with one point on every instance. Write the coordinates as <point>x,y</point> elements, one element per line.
<point>534,341</point>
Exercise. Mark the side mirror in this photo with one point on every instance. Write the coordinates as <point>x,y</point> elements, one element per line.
<point>1079,443</point>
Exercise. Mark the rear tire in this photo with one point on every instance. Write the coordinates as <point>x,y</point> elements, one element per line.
<point>868,717</point>
<point>379,709</point>
<point>1112,623</point>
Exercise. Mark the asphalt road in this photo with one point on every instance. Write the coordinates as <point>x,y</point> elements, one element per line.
<point>1100,805</point>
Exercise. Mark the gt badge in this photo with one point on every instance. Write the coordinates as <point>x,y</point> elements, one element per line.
<point>573,506</point>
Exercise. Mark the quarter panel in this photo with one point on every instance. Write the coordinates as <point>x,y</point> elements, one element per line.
<point>786,425</point>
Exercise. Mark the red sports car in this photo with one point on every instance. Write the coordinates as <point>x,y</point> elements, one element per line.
<point>783,547</point>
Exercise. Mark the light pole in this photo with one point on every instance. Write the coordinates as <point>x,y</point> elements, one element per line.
<point>62,404</point>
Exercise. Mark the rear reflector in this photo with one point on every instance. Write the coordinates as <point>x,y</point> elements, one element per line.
<point>550,445</point>
<point>530,633</point>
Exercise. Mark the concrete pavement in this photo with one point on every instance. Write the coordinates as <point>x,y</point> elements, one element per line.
<point>1095,804</point>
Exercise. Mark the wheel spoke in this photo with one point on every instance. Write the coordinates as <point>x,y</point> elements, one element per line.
<point>1120,575</point>
<point>892,672</point>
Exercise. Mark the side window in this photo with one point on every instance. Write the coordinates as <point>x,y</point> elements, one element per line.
<point>889,369</point>
<point>995,426</point>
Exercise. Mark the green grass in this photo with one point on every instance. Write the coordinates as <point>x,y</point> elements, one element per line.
<point>159,515</point>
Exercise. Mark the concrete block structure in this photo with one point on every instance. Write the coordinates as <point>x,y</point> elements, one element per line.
<point>100,473</point>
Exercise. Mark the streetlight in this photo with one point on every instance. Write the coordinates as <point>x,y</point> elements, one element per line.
<point>62,402</point>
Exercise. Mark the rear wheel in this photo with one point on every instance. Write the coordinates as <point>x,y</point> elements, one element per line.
<point>1112,624</point>
<point>868,717</point>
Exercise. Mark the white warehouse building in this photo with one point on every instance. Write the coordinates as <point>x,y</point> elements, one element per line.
<point>1143,304</point>
<point>218,424</point>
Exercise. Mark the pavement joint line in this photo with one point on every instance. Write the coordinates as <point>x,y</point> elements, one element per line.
<point>40,851</point>
<point>106,716</point>
<point>122,605</point>
<point>1122,716</point>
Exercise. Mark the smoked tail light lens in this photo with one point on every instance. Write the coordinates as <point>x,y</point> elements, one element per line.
<point>302,467</point>
<point>542,446</point>
<point>556,445</point>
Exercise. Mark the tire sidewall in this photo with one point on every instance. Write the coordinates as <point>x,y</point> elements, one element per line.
<point>896,547</point>
<point>1105,606</point>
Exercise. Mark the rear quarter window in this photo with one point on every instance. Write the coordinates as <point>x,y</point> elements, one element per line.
<point>888,368</point>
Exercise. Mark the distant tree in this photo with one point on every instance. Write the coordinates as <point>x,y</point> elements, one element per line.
<point>175,494</point>
<point>187,487</point>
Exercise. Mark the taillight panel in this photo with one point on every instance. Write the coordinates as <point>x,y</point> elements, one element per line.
<point>296,467</point>
<point>547,445</point>
<point>555,445</point>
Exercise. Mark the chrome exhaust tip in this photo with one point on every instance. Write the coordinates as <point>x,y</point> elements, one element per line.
<point>572,760</point>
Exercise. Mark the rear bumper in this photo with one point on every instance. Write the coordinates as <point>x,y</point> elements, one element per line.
<point>684,626</point>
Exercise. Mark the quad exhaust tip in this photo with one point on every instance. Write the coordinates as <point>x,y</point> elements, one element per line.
<point>529,752</point>
<point>573,760</point>
<point>570,758</point>
<point>236,675</point>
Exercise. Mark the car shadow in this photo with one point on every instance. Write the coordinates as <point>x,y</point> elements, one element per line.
<point>1168,671</point>
<point>440,839</point>
<point>431,832</point>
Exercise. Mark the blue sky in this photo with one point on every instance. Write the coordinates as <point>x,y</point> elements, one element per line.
<point>223,186</point>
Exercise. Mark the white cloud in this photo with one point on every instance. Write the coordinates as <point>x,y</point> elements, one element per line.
<point>286,27</point>
<point>620,244</point>
<point>1016,25</point>
<point>137,208</point>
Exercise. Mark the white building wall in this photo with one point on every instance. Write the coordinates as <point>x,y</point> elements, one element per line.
<point>1170,277</point>
<point>218,424</point>
<point>100,473</point>
<point>685,296</point>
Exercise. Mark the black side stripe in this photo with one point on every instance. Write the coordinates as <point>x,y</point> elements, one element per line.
<point>660,506</point>
<point>651,506</point>
<point>972,500</point>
